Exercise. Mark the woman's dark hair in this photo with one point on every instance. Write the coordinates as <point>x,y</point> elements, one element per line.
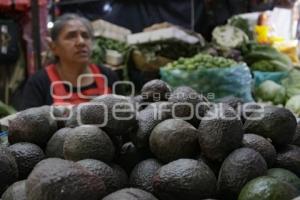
<point>62,20</point>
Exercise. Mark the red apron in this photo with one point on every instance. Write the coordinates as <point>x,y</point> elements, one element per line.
<point>60,95</point>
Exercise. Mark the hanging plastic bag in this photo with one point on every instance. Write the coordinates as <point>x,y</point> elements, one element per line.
<point>260,77</point>
<point>220,82</point>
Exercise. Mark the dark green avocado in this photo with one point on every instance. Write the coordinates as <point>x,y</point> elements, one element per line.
<point>16,191</point>
<point>289,158</point>
<point>55,146</point>
<point>27,155</point>
<point>57,179</point>
<point>241,166</point>
<point>88,141</point>
<point>184,179</point>
<point>220,132</point>
<point>142,174</point>
<point>173,139</point>
<point>267,188</point>
<point>286,176</point>
<point>104,171</point>
<point>278,124</point>
<point>130,194</point>
<point>261,145</point>
<point>147,120</point>
<point>187,103</point>
<point>8,169</point>
<point>34,125</point>
<point>155,90</point>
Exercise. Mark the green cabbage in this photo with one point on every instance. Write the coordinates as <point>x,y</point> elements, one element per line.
<point>271,91</point>
<point>292,83</point>
<point>293,104</point>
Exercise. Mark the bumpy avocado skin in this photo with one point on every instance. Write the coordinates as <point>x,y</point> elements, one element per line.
<point>57,179</point>
<point>27,155</point>
<point>278,124</point>
<point>241,166</point>
<point>184,179</point>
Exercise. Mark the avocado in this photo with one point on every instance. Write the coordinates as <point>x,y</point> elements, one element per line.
<point>241,166</point>
<point>296,139</point>
<point>286,176</point>
<point>119,114</point>
<point>130,194</point>
<point>129,157</point>
<point>173,139</point>
<point>139,103</point>
<point>278,124</point>
<point>55,145</point>
<point>104,171</point>
<point>213,165</point>
<point>187,103</point>
<point>184,179</point>
<point>143,173</point>
<point>16,191</point>
<point>57,179</point>
<point>267,188</point>
<point>261,145</point>
<point>289,158</point>
<point>27,155</point>
<point>121,175</point>
<point>34,125</point>
<point>155,90</point>
<point>220,132</point>
<point>72,121</point>
<point>8,169</point>
<point>60,114</point>
<point>88,141</point>
<point>147,120</point>
<point>92,114</point>
<point>248,109</point>
<point>232,101</point>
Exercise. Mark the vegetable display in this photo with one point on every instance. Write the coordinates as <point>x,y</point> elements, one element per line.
<point>200,61</point>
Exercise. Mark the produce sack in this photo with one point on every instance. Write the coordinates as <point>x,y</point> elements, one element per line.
<point>261,77</point>
<point>235,80</point>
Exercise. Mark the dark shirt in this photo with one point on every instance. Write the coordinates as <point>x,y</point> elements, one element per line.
<point>37,89</point>
<point>138,14</point>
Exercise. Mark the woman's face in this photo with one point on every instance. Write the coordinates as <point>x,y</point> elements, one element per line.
<point>73,44</point>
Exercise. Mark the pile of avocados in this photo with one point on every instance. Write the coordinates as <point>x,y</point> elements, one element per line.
<point>164,144</point>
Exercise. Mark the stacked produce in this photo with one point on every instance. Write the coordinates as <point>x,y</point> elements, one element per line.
<point>209,74</point>
<point>275,79</point>
<point>265,58</point>
<point>167,143</point>
<point>200,61</point>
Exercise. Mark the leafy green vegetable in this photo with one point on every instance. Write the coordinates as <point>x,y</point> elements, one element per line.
<point>100,46</point>
<point>265,58</point>
<point>293,104</point>
<point>271,91</point>
<point>228,36</point>
<point>292,83</point>
<point>5,110</point>
<point>242,24</point>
